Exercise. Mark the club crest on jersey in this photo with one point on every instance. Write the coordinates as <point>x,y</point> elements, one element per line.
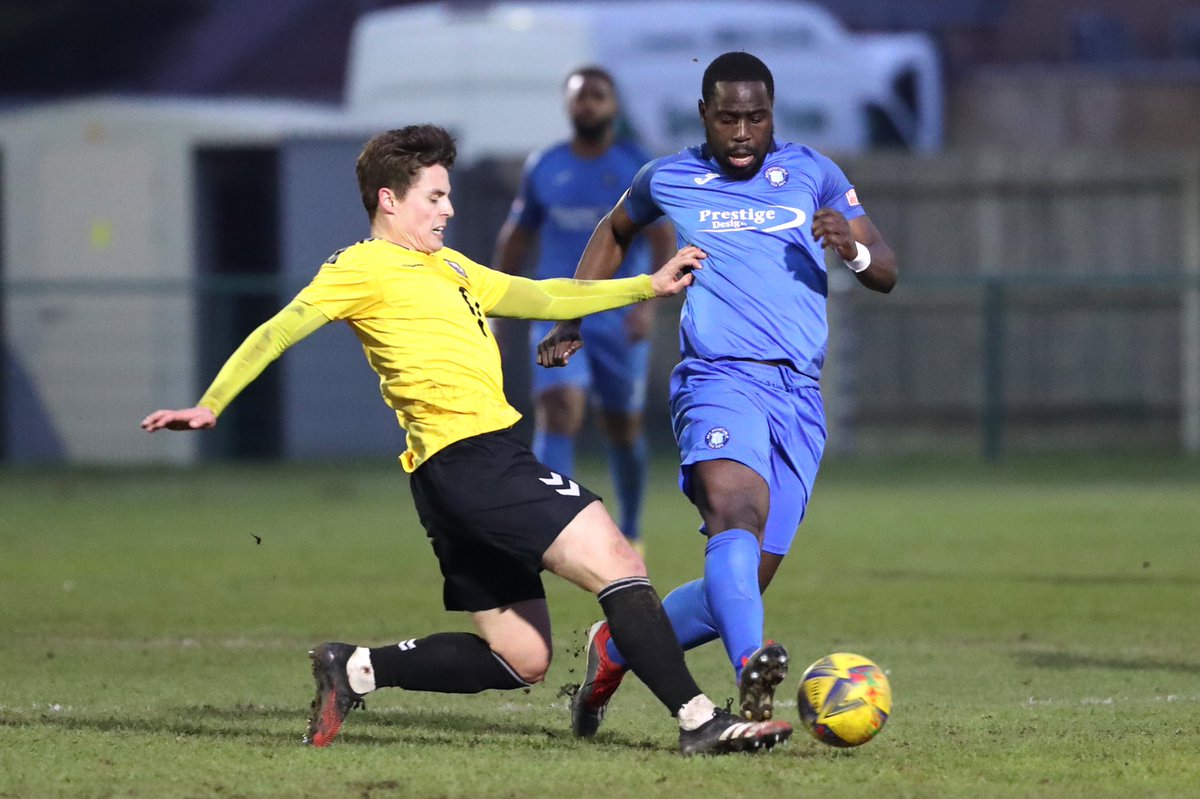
<point>456,268</point>
<point>716,438</point>
<point>776,175</point>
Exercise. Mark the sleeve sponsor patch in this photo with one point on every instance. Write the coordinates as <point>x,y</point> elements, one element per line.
<point>852,198</point>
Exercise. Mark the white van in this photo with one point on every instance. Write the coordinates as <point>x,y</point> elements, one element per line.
<point>492,72</point>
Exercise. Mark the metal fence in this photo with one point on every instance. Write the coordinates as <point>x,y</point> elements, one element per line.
<point>1045,303</point>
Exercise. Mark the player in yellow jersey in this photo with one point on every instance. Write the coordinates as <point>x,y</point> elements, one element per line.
<point>495,515</point>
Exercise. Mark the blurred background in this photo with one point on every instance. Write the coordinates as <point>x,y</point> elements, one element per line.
<point>172,173</point>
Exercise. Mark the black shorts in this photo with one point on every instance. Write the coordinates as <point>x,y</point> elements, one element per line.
<point>491,510</point>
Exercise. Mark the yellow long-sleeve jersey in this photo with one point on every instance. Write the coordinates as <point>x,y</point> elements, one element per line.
<point>422,322</point>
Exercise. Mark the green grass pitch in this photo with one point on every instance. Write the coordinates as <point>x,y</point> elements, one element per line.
<point>1037,619</point>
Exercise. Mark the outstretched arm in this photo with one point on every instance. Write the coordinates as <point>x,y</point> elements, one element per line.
<point>561,298</point>
<point>602,257</point>
<point>260,348</point>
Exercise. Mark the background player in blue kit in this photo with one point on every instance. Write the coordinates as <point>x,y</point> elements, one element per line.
<point>565,191</point>
<point>745,398</point>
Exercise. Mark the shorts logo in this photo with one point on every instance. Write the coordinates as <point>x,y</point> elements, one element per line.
<point>716,438</point>
<point>457,268</point>
<point>776,175</point>
<point>556,479</point>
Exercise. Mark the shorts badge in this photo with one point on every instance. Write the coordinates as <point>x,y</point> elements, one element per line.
<point>716,438</point>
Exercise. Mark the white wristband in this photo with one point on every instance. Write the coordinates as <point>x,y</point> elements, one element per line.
<point>862,258</point>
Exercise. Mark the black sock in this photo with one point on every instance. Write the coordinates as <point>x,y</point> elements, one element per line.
<point>643,633</point>
<point>448,663</point>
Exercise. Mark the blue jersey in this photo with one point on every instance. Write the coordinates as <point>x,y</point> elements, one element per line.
<point>761,294</point>
<point>563,197</point>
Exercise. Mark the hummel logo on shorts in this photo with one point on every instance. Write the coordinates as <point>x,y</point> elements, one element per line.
<point>556,479</point>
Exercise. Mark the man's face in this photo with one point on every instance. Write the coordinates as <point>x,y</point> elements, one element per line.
<point>591,105</point>
<point>422,213</point>
<point>739,125</point>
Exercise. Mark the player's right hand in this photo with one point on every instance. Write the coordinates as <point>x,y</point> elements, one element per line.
<point>197,418</point>
<point>557,347</point>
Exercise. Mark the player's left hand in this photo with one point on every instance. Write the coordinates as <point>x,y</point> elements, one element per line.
<point>676,274</point>
<point>198,418</point>
<point>830,229</point>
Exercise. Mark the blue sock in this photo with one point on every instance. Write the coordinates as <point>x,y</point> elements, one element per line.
<point>556,451</point>
<point>731,585</point>
<point>687,608</point>
<point>628,466</point>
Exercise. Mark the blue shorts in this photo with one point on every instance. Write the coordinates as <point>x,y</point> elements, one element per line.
<point>769,418</point>
<point>610,365</point>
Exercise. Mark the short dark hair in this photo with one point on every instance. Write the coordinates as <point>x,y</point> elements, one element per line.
<point>736,66</point>
<point>591,71</point>
<point>394,158</point>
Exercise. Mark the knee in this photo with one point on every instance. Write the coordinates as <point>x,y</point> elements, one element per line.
<point>620,562</point>
<point>628,563</point>
<point>530,660</point>
<point>531,667</point>
<point>728,512</point>
<point>729,495</point>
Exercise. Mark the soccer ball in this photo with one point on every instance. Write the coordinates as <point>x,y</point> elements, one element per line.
<point>844,699</point>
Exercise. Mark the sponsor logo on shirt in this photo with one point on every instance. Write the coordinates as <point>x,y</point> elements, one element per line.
<point>456,268</point>
<point>707,178</point>
<point>852,197</point>
<point>771,219</point>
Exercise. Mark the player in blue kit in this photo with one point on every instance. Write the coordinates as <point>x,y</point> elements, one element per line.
<point>745,398</point>
<point>565,191</point>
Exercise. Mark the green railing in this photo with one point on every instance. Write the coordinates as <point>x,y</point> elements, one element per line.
<point>995,291</point>
<point>997,295</point>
